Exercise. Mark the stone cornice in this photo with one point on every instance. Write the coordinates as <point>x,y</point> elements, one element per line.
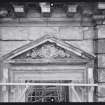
<point>46,21</point>
<point>70,12</point>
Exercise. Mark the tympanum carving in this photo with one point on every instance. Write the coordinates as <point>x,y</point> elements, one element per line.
<point>47,50</point>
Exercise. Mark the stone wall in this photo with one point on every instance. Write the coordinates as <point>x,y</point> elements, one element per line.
<point>101,60</point>
<point>14,37</point>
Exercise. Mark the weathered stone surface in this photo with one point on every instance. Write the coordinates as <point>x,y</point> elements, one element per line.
<point>32,33</point>
<point>74,33</point>
<point>101,31</point>
<point>101,75</point>
<point>101,46</point>
<point>86,45</point>
<point>26,33</point>
<point>101,94</point>
<point>101,60</point>
<point>80,37</point>
<point>14,33</point>
<point>37,32</point>
<point>8,46</point>
<point>101,99</point>
<point>89,33</point>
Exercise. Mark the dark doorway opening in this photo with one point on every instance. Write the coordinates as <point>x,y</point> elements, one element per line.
<point>47,93</point>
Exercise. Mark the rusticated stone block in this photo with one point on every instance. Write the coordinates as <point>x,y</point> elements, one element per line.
<point>101,46</point>
<point>101,31</point>
<point>101,60</point>
<point>101,75</point>
<point>101,94</point>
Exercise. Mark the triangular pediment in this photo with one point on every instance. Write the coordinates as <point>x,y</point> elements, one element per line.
<point>48,47</point>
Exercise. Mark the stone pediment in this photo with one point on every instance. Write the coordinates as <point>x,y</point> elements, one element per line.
<point>48,47</point>
<point>47,50</point>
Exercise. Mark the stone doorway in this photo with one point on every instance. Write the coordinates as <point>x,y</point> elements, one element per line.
<point>47,59</point>
<point>47,93</point>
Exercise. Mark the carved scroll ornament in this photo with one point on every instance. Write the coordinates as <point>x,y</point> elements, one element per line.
<point>46,51</point>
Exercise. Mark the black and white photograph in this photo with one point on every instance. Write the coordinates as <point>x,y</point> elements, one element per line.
<point>52,51</point>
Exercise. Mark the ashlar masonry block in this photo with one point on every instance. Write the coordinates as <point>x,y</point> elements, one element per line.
<point>86,45</point>
<point>101,31</point>
<point>73,33</point>
<point>101,60</point>
<point>14,33</point>
<point>88,33</point>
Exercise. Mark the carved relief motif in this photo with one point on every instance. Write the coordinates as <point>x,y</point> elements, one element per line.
<point>49,50</point>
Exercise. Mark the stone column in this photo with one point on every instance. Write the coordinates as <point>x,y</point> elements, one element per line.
<point>91,81</point>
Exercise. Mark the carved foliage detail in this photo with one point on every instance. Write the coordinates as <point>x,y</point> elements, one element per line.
<point>49,50</point>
